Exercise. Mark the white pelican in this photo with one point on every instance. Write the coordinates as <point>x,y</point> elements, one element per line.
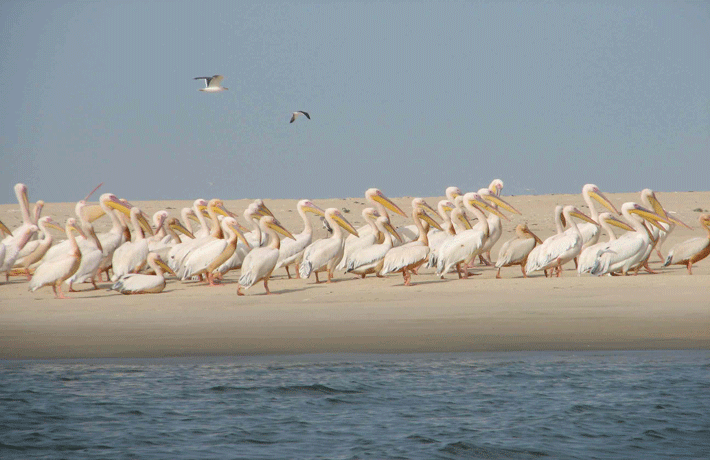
<point>58,269</point>
<point>206,258</point>
<point>212,84</point>
<point>516,250</point>
<point>179,251</point>
<point>295,115</point>
<point>91,252</point>
<point>693,250</point>
<point>292,250</point>
<point>366,239</point>
<point>410,232</point>
<point>467,244</point>
<point>38,248</point>
<point>260,262</point>
<point>437,239</point>
<point>139,283</point>
<point>380,202</point>
<point>369,259</point>
<point>116,235</point>
<point>24,202</point>
<point>495,226</point>
<point>410,256</point>
<point>214,207</point>
<point>659,236</point>
<point>130,257</point>
<point>630,250</point>
<point>325,254</point>
<point>172,226</point>
<point>561,248</point>
<point>589,256</point>
<point>12,249</point>
<point>590,232</point>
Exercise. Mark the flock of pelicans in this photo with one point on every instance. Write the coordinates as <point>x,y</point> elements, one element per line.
<point>137,254</point>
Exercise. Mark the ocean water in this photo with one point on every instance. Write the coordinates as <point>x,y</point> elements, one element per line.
<point>590,405</point>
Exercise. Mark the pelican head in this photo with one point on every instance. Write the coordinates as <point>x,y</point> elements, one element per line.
<point>420,213</point>
<point>339,219</point>
<point>496,186</point>
<point>421,203</point>
<point>476,200</point>
<point>176,225</point>
<point>309,206</point>
<point>377,196</point>
<point>573,211</point>
<point>594,192</point>
<point>272,223</point>
<point>487,195</point>
<point>453,192</point>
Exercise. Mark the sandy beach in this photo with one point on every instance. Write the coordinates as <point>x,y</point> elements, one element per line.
<point>670,310</point>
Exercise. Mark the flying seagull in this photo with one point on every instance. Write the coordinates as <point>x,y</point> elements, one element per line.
<point>296,114</point>
<point>212,84</point>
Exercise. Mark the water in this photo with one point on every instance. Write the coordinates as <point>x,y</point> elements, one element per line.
<point>473,405</point>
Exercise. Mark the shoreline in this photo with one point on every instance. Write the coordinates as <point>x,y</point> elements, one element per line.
<point>668,311</point>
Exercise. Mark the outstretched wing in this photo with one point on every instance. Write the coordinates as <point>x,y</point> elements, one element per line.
<point>206,79</point>
<point>215,81</point>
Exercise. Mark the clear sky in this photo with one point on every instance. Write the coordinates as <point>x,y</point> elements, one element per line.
<point>410,97</point>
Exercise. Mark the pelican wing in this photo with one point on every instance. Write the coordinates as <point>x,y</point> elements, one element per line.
<point>290,249</point>
<point>619,253</point>
<point>514,251</point>
<point>682,252</point>
<point>403,256</point>
<point>318,254</point>
<point>201,257</point>
<point>135,283</point>
<point>463,246</point>
<point>259,263</point>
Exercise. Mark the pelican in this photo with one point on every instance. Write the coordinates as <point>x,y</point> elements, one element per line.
<point>130,256</point>
<point>325,254</point>
<point>466,245</point>
<point>206,258</point>
<point>410,232</point>
<point>56,270</point>
<point>214,207</point>
<point>515,251</point>
<point>292,250</point>
<point>380,202</point>
<point>561,248</point>
<point>366,239</point>
<point>172,226</point>
<point>138,283</point>
<point>410,256</point>
<point>590,232</point>
<point>295,115</point>
<point>631,249</point>
<point>590,255</point>
<point>12,249</point>
<point>115,236</point>
<point>659,236</point>
<point>437,239</point>
<point>495,226</point>
<point>179,251</point>
<point>693,250</point>
<point>260,262</point>
<point>212,84</point>
<point>38,248</point>
<point>91,252</point>
<point>369,259</point>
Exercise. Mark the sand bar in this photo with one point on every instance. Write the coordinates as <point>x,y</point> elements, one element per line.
<point>666,311</point>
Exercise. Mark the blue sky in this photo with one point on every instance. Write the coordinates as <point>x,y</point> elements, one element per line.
<point>408,97</point>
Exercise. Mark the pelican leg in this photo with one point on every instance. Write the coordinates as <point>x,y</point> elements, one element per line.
<point>239,290</point>
<point>317,280</point>
<point>648,269</point>
<point>93,282</point>
<point>27,272</point>
<point>58,291</point>
<point>287,272</point>
<point>266,285</point>
<point>210,279</point>
<point>458,270</point>
<point>576,263</point>
<point>298,274</point>
<point>483,260</point>
<point>559,268</point>
<point>330,276</point>
<point>690,265</point>
<point>407,277</point>
<point>71,288</point>
<point>498,274</point>
<point>522,269</point>
<point>658,251</point>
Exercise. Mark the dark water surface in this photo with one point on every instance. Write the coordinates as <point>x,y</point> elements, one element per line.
<point>636,405</point>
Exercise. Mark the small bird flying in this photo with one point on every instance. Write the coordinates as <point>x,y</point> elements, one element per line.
<point>297,114</point>
<point>212,84</point>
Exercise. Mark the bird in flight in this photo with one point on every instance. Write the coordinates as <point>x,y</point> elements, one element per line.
<point>296,114</point>
<point>212,84</point>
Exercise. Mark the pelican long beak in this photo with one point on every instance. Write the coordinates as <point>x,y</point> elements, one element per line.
<point>619,223</point>
<point>264,211</point>
<point>650,216</point>
<point>604,201</point>
<point>393,231</point>
<point>427,218</point>
<point>582,216</point>
<point>125,208</point>
<point>220,209</point>
<point>93,212</point>
<point>179,227</point>
<point>240,234</point>
<point>77,229</point>
<point>675,220</point>
<point>276,226</point>
<point>7,231</point>
<point>464,221</point>
<point>502,203</point>
<point>657,207</point>
<point>164,266</point>
<point>387,203</point>
<point>342,221</point>
<point>53,224</point>
<point>427,207</point>
<point>310,207</point>
<point>483,204</point>
<point>193,217</point>
<point>448,206</point>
